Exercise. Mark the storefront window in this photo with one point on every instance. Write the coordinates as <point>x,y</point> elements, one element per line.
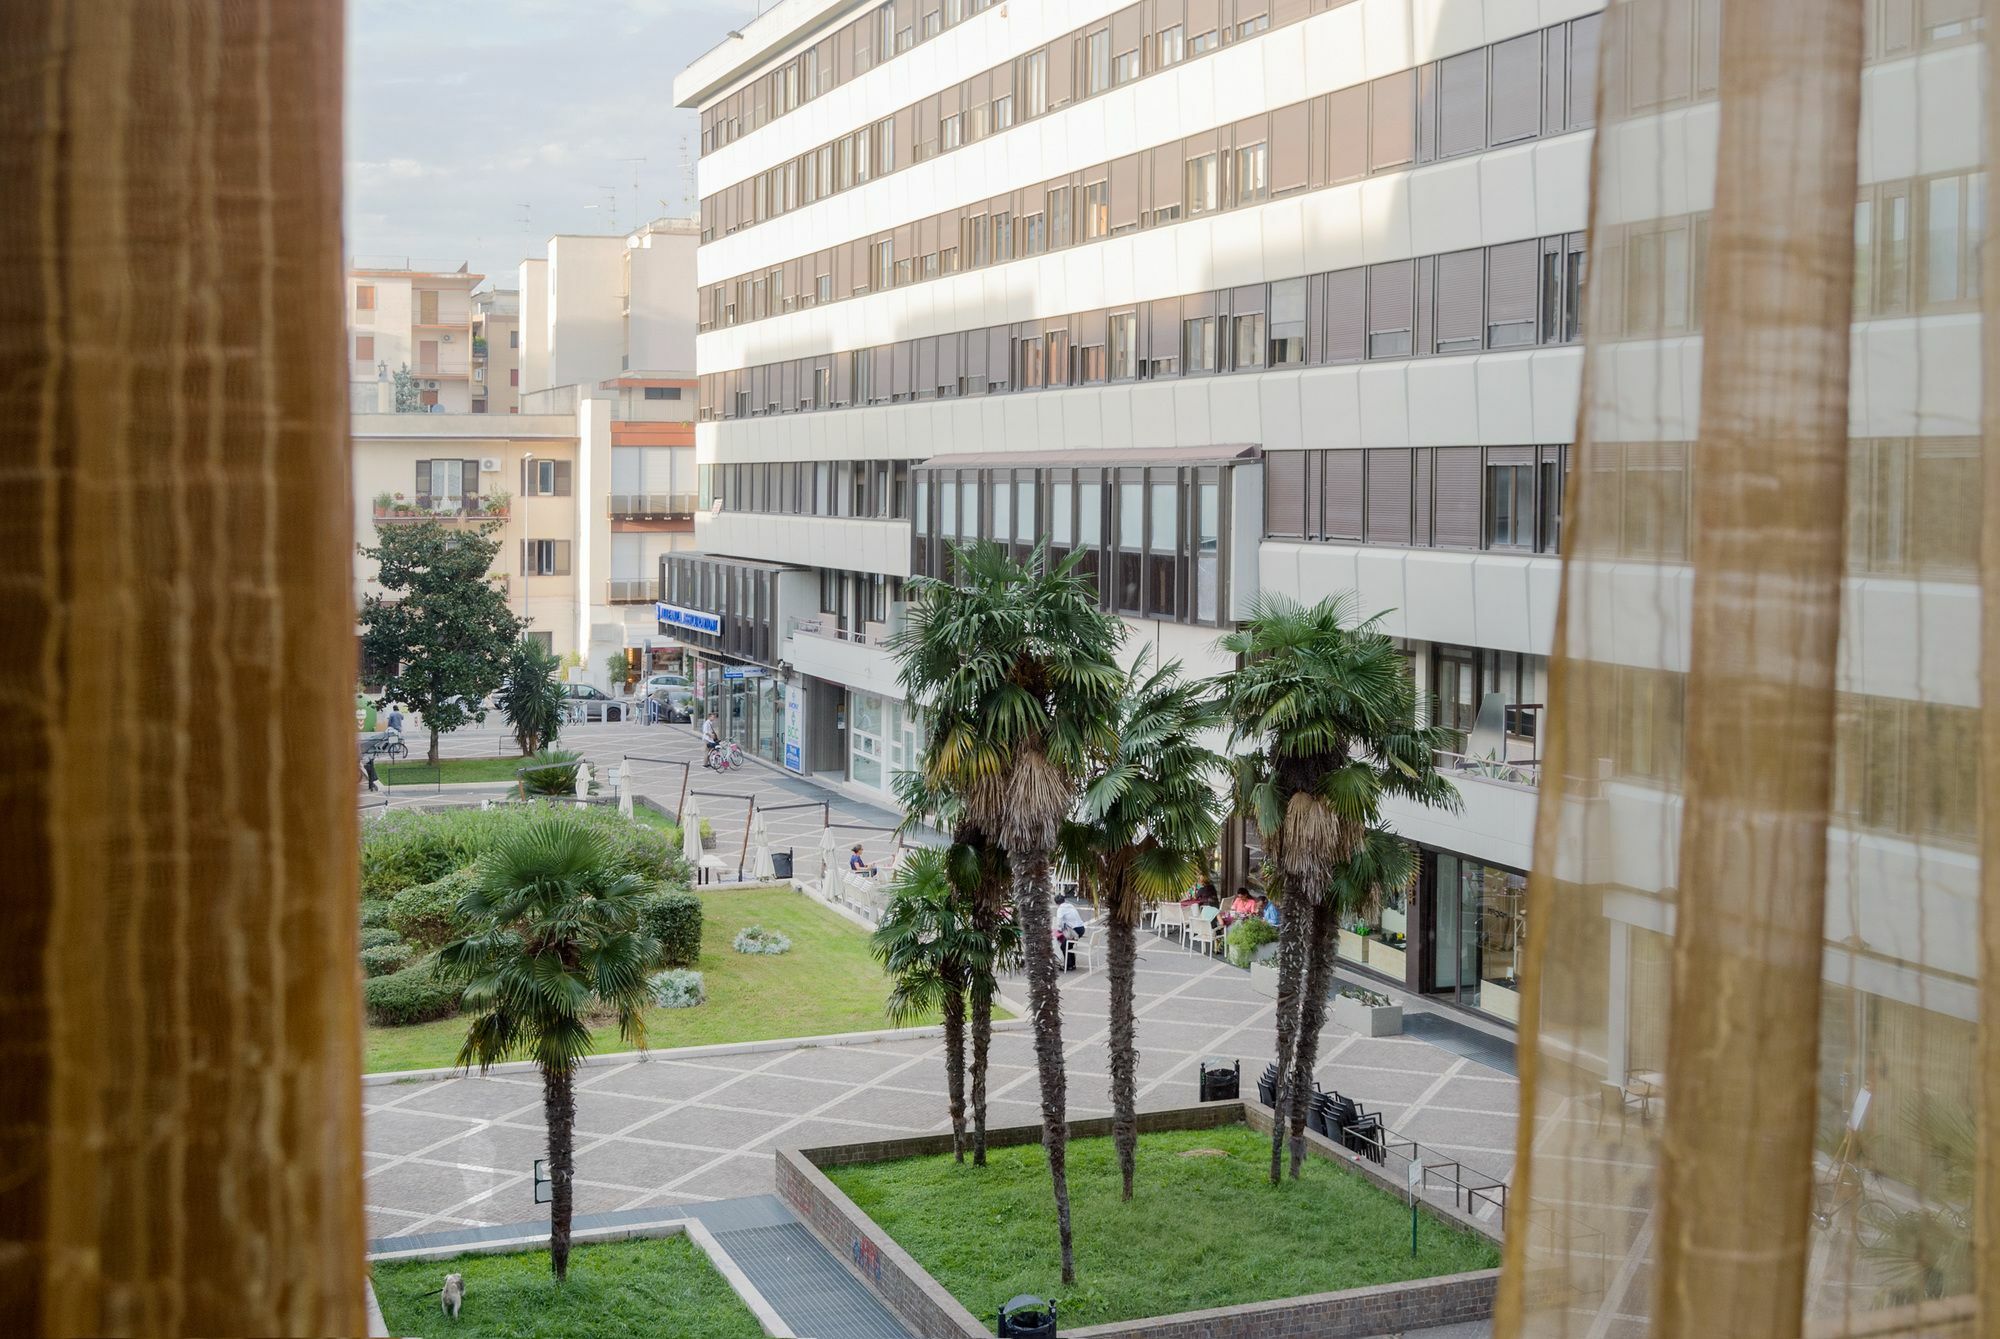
<point>864,741</point>
<point>1478,935</point>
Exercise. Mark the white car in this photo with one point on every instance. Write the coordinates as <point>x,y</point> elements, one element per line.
<point>653,683</point>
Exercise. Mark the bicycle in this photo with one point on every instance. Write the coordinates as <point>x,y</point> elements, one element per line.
<point>725,757</point>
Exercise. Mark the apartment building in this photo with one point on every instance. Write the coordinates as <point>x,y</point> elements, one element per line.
<point>1286,295</point>
<point>420,319</point>
<point>496,351</point>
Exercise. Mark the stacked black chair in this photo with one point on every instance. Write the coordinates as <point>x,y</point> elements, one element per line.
<point>1267,1086</point>
<point>1364,1135</point>
<point>1319,1112</point>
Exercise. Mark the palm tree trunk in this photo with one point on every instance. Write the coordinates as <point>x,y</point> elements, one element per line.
<point>982,1034</point>
<point>954,1061</point>
<point>1031,906</point>
<point>1312,1017</point>
<point>1293,931</point>
<point>1123,948</point>
<point>559,1110</point>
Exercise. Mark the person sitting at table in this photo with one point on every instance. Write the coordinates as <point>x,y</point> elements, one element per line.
<point>1204,895</point>
<point>1068,929</point>
<point>856,865</point>
<point>1270,909</point>
<point>1241,907</point>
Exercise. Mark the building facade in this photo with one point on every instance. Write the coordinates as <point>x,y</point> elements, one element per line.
<point>1286,296</point>
<point>496,351</point>
<point>421,319</point>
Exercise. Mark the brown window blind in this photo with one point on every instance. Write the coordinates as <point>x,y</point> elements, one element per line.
<point>1343,494</point>
<point>1460,298</point>
<point>1516,89</point>
<point>1163,318</point>
<point>947,363</point>
<point>1288,149</point>
<point>1457,491</point>
<point>1126,27</point>
<point>996,355</point>
<point>1203,16</point>
<point>1344,318</point>
<point>1125,192</point>
<point>1284,494</point>
<point>1062,61</point>
<point>1389,496</point>
<point>902,370</point>
<point>1427,113</point>
<point>925,380</point>
<point>1420,497</point>
<point>1390,309</point>
<point>1347,131</point>
<point>1392,136</point>
<point>1510,294</point>
<point>1462,103</point>
<point>1167,173</point>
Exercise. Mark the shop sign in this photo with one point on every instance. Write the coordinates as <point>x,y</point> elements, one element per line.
<point>694,620</point>
<point>732,673</point>
<point>795,710</point>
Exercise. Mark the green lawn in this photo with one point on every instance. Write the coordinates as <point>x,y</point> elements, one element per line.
<point>651,1287</point>
<point>827,983</point>
<point>415,771</point>
<point>1201,1231</point>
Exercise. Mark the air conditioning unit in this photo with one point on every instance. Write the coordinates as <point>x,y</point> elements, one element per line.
<point>489,464</point>
<point>430,385</point>
<point>445,338</point>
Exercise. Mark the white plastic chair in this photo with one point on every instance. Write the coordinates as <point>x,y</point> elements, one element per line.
<point>1170,918</point>
<point>1201,931</point>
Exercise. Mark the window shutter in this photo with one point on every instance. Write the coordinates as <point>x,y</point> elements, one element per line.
<point>1347,131</point>
<point>1343,494</point>
<point>562,478</point>
<point>1392,138</point>
<point>1460,295</point>
<point>1584,36</point>
<point>1420,497</point>
<point>901,370</point>
<point>996,355</point>
<point>1555,79</point>
<point>562,558</point>
<point>469,485</point>
<point>1457,490</point>
<point>1125,192</point>
<point>1345,316</point>
<point>1389,496</point>
<point>1288,149</point>
<point>1510,455</point>
<point>1389,309</point>
<point>1516,91</point>
<point>1062,58</point>
<point>1462,103</point>
<point>1510,294</point>
<point>423,479</point>
<point>1284,494</point>
<point>1427,113</point>
<point>1315,490</point>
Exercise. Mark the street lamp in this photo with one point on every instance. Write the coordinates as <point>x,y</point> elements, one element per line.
<point>527,468</point>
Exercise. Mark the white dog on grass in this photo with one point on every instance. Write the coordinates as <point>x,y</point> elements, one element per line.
<point>452,1296</point>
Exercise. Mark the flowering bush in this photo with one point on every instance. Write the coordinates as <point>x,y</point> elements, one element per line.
<point>756,939</point>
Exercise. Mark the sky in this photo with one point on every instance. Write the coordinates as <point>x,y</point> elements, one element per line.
<point>477,128</point>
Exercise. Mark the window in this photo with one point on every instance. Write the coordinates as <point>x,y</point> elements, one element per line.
<point>1003,111</point>
<point>663,392</point>
<point>1248,341</point>
<point>545,478</point>
<point>1125,67</point>
<point>1163,544</point>
<point>1203,185</point>
<point>364,297</point>
<point>1390,309</point>
<point>1510,505</point>
<point>1461,104</point>
<point>1124,346</point>
<point>1460,302</point>
<point>1253,176</point>
<point>1954,220</point>
<point>1515,106</point>
<point>1656,280</point>
<point>364,348</point>
<point>513,339</point>
<point>545,557</point>
<point>513,376</point>
<point>1096,209</point>
<point>1207,551</point>
<point>1393,120</point>
<point>1169,47</point>
<point>1288,323</point>
<point>1198,345</point>
<point>1097,61</point>
<point>1131,539</point>
<point>1510,294</point>
<point>1035,77</point>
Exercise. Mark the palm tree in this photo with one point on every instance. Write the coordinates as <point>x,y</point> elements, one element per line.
<point>927,943</point>
<point>1013,669</point>
<point>532,696</point>
<point>1142,831</point>
<point>1325,712</point>
<point>554,937</point>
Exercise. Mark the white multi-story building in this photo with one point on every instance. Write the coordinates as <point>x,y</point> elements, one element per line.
<point>420,319</point>
<point>1258,295</point>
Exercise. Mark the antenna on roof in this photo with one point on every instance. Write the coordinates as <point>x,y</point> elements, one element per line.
<point>635,187</point>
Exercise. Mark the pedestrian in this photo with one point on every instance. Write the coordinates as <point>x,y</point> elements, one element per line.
<point>1069,929</point>
<point>711,738</point>
<point>395,722</point>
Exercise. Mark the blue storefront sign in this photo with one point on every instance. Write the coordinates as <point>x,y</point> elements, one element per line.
<point>734,672</point>
<point>694,620</point>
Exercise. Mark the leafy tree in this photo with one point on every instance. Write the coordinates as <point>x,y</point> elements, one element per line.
<point>1323,725</point>
<point>442,628</point>
<point>409,399</point>
<point>1142,831</point>
<point>533,696</point>
<point>555,935</point>
<point>1011,666</point>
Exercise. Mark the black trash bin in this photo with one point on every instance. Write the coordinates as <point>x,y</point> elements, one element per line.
<point>1221,1080</point>
<point>781,864</point>
<point>1028,1318</point>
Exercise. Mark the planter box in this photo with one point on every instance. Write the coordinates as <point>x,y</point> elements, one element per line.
<point>1369,1020</point>
<point>1500,1001</point>
<point>1264,978</point>
<point>1388,961</point>
<point>1353,947</point>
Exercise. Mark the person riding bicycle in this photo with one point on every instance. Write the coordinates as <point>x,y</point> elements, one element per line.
<point>395,721</point>
<point>711,740</point>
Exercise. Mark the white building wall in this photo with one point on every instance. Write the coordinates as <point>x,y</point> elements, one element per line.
<point>534,325</point>
<point>661,326</point>
<point>585,284</point>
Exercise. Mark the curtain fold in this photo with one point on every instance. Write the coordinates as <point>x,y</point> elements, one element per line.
<point>179,1098</point>
<point>1757,1087</point>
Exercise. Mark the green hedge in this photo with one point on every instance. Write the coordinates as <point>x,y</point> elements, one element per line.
<point>427,915</point>
<point>674,918</point>
<point>374,915</point>
<point>375,936</point>
<point>412,995</point>
<point>406,849</point>
<point>383,959</point>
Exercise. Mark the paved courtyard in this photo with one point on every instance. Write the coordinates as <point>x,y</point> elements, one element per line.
<point>689,1128</point>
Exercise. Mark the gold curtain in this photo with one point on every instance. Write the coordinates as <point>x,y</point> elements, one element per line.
<point>179,1023</point>
<point>1756,1093</point>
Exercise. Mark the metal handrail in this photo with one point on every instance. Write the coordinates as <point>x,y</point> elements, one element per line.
<point>1525,772</point>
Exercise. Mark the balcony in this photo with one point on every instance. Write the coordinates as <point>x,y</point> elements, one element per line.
<point>393,507</point>
<point>631,590</point>
<point>857,657</point>
<point>637,506</point>
<point>1524,772</point>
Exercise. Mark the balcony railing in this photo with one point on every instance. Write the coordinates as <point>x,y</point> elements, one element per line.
<point>631,590</point>
<point>422,508</point>
<point>650,504</point>
<point>1525,772</point>
<point>827,628</point>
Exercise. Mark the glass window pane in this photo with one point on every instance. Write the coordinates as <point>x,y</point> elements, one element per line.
<point>1165,532</point>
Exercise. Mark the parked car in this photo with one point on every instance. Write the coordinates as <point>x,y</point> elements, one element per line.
<point>653,683</point>
<point>587,702</point>
<point>676,705</point>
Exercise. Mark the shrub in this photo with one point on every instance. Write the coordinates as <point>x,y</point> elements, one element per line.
<point>756,939</point>
<point>375,936</point>
<point>375,916</point>
<point>677,989</point>
<point>427,915</point>
<point>642,849</point>
<point>674,918</point>
<point>554,774</point>
<point>412,995</point>
<point>401,850</point>
<point>1243,939</point>
<point>382,959</point>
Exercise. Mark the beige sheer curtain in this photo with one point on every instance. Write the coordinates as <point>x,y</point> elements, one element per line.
<point>1756,1095</point>
<point>179,1027</point>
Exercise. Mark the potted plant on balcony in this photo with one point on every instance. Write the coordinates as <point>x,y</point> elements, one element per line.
<point>497,502</point>
<point>385,503</point>
<point>1368,1012</point>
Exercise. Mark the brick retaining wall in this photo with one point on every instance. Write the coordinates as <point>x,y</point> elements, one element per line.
<point>923,1304</point>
